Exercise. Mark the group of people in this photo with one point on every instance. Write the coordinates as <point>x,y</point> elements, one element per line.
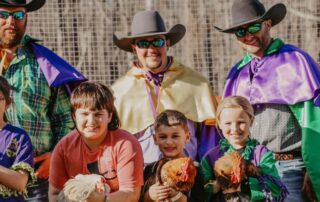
<point>52,119</point>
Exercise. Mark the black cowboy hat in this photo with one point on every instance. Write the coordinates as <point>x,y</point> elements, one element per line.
<point>148,23</point>
<point>249,11</point>
<point>31,6</point>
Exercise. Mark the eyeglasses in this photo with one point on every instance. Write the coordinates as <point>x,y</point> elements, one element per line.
<point>157,43</point>
<point>252,29</point>
<point>17,15</point>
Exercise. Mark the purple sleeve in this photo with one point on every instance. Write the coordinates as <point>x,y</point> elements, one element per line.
<point>209,138</point>
<point>24,153</point>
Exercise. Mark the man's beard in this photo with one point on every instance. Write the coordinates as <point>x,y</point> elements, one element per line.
<point>7,41</point>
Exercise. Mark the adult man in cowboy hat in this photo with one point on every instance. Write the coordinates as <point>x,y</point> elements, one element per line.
<point>282,82</point>
<point>156,82</point>
<point>39,80</point>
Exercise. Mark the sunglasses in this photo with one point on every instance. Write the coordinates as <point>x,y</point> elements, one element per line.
<point>17,15</point>
<point>252,29</point>
<point>157,43</point>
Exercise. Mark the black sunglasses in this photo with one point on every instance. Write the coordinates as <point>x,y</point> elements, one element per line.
<point>17,15</point>
<point>157,43</point>
<point>252,29</point>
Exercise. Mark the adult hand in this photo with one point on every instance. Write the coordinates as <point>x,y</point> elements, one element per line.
<point>159,192</point>
<point>308,189</point>
<point>44,159</point>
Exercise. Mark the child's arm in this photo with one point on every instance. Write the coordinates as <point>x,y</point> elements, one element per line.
<point>16,180</point>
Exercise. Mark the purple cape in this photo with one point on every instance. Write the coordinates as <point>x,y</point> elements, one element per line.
<point>294,74</point>
<point>55,69</point>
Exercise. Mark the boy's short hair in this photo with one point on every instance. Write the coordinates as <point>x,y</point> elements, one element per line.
<point>171,118</point>
<point>95,96</point>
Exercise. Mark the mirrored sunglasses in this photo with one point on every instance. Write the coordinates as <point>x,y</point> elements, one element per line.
<point>157,43</point>
<point>17,15</point>
<point>252,29</point>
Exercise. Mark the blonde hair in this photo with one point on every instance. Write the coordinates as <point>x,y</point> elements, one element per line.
<point>235,102</point>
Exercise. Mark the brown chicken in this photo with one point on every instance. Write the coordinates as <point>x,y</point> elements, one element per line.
<point>231,169</point>
<point>178,173</point>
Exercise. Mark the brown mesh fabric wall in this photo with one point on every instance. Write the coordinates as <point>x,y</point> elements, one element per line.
<point>81,32</point>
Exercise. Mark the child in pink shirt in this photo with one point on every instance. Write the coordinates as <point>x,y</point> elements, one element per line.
<point>97,146</point>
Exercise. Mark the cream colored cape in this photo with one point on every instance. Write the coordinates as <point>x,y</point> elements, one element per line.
<point>182,89</point>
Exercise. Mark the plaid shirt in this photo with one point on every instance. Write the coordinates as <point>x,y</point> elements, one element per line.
<point>44,112</point>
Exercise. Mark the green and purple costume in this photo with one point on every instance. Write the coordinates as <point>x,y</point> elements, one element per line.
<point>285,75</point>
<point>266,186</point>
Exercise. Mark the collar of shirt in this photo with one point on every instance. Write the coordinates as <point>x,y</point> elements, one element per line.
<point>275,45</point>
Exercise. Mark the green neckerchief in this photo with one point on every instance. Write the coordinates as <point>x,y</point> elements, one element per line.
<point>247,150</point>
<point>275,45</point>
<point>27,39</point>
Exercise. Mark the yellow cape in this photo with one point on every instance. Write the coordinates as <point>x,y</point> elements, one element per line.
<point>182,89</point>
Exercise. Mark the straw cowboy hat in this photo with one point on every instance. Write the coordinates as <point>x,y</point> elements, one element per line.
<point>148,23</point>
<point>249,11</point>
<point>31,6</point>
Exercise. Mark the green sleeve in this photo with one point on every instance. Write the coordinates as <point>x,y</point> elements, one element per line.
<point>267,166</point>
<point>208,175</point>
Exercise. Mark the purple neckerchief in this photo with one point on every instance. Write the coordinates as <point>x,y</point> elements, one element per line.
<point>55,69</point>
<point>288,76</point>
<point>157,79</point>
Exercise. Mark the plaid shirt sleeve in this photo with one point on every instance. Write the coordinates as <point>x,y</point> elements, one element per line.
<point>43,111</point>
<point>61,119</point>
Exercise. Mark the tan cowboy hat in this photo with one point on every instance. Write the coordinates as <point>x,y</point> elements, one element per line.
<point>249,11</point>
<point>148,23</point>
<point>31,6</point>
